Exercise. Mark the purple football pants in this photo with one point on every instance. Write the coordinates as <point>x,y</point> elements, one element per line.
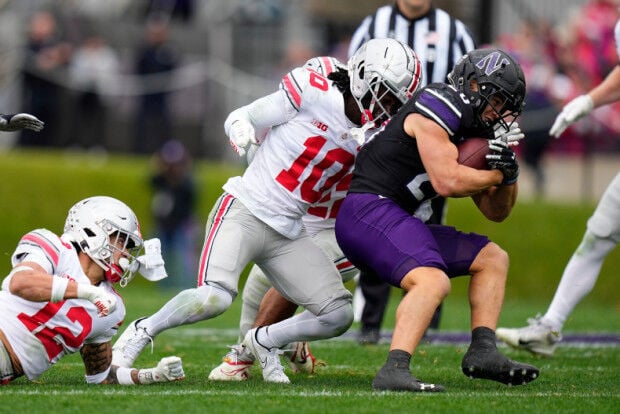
<point>379,236</point>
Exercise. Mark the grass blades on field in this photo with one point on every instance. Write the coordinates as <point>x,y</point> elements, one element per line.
<point>577,379</point>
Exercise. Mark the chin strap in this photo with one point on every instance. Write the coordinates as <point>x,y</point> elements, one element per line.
<point>114,273</point>
<point>366,116</point>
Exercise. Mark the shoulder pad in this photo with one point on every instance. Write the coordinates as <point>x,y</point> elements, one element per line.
<point>444,105</point>
<point>42,243</point>
<point>324,64</point>
<point>300,81</point>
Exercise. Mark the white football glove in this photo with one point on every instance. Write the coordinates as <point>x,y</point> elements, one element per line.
<point>512,136</point>
<point>16,122</point>
<point>151,262</point>
<point>150,265</point>
<point>104,301</point>
<point>241,135</point>
<point>167,370</point>
<point>572,111</point>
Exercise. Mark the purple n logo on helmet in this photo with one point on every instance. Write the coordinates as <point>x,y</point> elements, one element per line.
<point>492,62</point>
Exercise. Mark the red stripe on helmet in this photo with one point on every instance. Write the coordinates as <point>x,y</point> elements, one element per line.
<point>417,72</point>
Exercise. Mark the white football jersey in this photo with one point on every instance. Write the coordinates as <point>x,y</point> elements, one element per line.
<point>322,215</point>
<point>41,333</point>
<point>303,158</point>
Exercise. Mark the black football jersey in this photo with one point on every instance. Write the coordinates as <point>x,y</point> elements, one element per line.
<point>389,164</point>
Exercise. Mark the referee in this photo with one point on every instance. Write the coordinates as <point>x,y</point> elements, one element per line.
<point>439,40</point>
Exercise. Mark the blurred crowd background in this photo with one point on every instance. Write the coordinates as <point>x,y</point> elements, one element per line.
<point>130,75</point>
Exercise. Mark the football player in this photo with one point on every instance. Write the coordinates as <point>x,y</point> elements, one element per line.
<point>236,364</point>
<point>543,333</point>
<point>440,40</point>
<point>312,128</point>
<point>412,160</point>
<point>59,297</point>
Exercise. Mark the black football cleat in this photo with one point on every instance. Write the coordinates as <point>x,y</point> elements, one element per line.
<point>490,364</point>
<point>391,379</point>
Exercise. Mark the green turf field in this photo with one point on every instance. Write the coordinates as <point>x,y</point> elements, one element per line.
<point>577,379</point>
<point>37,189</point>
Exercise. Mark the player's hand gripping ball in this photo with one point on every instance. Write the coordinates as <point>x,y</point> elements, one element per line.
<point>473,152</point>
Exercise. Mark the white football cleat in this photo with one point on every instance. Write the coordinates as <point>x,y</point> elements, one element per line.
<point>538,338</point>
<point>235,365</point>
<point>130,344</point>
<point>269,359</point>
<point>302,359</point>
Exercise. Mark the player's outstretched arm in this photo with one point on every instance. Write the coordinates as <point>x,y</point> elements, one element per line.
<point>99,369</point>
<point>604,93</point>
<point>16,122</point>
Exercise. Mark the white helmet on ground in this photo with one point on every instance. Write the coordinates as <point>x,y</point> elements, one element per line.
<point>383,62</point>
<point>100,225</point>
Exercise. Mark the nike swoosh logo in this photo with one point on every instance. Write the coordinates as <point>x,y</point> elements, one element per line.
<point>261,361</point>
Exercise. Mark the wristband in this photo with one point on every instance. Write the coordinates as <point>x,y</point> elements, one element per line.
<point>59,287</point>
<point>85,291</point>
<point>97,378</point>
<point>123,376</point>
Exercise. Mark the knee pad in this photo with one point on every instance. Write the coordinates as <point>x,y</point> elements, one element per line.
<point>339,319</point>
<point>208,300</point>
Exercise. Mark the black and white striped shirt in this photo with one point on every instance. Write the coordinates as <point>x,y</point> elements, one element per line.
<point>438,39</point>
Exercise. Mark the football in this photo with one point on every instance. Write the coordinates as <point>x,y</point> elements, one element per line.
<point>472,153</point>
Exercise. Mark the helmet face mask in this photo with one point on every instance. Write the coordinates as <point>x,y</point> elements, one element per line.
<point>383,75</point>
<point>381,102</point>
<point>486,75</point>
<point>102,226</point>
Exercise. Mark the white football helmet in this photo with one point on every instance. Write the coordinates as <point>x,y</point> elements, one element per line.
<point>383,62</point>
<point>100,225</point>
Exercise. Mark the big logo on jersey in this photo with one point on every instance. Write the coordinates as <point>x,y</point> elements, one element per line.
<point>492,62</point>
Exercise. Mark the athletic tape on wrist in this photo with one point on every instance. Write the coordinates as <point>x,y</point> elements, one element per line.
<point>84,291</point>
<point>123,376</point>
<point>97,378</point>
<point>147,376</point>
<point>59,287</point>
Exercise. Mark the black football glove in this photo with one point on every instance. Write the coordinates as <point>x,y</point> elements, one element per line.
<point>503,158</point>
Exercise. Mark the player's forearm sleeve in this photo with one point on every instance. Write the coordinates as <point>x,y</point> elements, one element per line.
<point>263,113</point>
